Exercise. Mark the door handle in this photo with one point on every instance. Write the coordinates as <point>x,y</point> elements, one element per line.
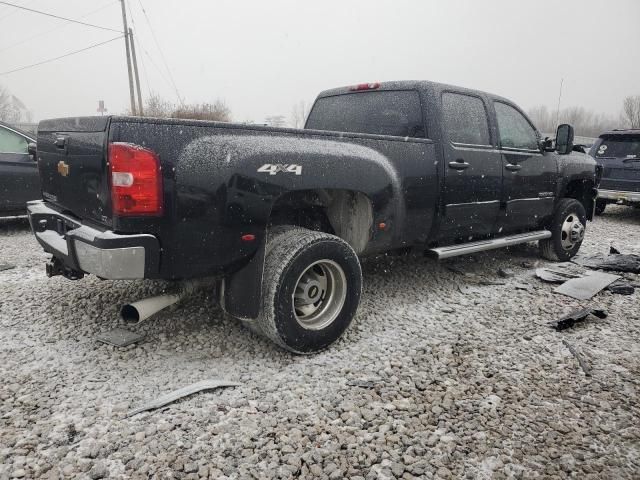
<point>513,167</point>
<point>459,164</point>
<point>60,141</point>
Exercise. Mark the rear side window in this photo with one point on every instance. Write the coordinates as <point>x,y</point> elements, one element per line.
<point>465,119</point>
<point>618,146</point>
<point>12,142</point>
<point>515,130</point>
<point>393,112</point>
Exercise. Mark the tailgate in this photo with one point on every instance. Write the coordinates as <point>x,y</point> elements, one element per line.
<point>72,163</point>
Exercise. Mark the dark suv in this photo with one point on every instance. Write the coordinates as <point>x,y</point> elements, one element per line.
<point>618,151</point>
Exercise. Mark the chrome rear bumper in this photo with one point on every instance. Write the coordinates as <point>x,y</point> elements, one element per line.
<point>103,253</point>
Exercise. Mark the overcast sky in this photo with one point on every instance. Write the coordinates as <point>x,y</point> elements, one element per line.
<point>262,56</point>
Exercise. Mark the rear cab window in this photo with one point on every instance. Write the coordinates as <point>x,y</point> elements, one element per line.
<point>465,119</point>
<point>618,146</point>
<point>382,112</point>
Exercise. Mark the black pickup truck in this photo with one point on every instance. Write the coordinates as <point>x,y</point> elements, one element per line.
<point>281,216</point>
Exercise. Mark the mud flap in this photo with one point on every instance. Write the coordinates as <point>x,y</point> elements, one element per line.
<point>241,292</point>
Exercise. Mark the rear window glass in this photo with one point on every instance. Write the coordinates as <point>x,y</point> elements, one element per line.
<point>394,113</point>
<point>465,119</point>
<point>618,146</point>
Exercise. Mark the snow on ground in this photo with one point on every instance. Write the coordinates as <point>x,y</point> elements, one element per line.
<point>486,391</point>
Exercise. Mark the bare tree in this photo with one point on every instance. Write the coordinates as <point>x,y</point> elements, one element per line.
<point>275,121</point>
<point>299,114</point>
<point>587,123</point>
<point>216,111</point>
<point>156,106</point>
<point>12,110</point>
<point>631,111</point>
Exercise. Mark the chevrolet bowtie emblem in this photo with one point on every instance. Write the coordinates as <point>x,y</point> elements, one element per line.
<point>63,168</point>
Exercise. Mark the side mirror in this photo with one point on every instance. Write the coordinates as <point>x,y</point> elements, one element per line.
<point>32,149</point>
<point>564,139</point>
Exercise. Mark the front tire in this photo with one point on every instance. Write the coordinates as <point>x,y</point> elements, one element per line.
<point>311,289</point>
<point>567,231</point>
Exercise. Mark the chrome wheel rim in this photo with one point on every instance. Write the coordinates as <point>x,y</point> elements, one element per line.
<point>319,295</point>
<point>572,231</point>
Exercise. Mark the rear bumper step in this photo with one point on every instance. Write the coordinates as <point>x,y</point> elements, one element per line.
<point>79,248</point>
<point>480,246</point>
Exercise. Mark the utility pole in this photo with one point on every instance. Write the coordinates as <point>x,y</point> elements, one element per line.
<point>135,71</point>
<point>126,44</point>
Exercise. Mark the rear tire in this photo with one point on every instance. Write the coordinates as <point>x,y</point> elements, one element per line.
<point>567,231</point>
<point>311,289</point>
<point>600,206</point>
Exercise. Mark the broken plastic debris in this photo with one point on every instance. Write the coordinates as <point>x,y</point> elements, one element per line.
<point>621,287</point>
<point>554,276</point>
<point>629,263</point>
<point>583,288</point>
<point>570,320</point>
<point>181,393</point>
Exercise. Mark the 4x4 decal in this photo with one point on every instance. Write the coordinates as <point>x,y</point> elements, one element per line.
<point>273,169</point>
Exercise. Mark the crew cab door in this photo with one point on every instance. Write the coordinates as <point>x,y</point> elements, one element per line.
<point>472,170</point>
<point>19,181</point>
<point>529,175</point>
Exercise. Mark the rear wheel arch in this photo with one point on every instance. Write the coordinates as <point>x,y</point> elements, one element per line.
<point>348,214</point>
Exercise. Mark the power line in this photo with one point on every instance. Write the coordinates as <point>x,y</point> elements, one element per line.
<point>13,12</point>
<point>61,56</point>
<point>54,29</point>
<point>59,18</point>
<point>164,60</point>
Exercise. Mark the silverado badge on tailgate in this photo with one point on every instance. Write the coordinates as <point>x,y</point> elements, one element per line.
<point>63,168</point>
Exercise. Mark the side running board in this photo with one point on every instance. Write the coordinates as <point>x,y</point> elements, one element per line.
<point>473,247</point>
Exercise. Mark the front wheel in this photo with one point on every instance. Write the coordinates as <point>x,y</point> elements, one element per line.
<point>311,289</point>
<point>567,231</point>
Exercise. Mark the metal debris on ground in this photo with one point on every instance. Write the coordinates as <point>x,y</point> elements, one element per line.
<point>585,368</point>
<point>572,318</point>
<point>583,288</point>
<point>181,393</point>
<point>119,337</point>
<point>6,266</point>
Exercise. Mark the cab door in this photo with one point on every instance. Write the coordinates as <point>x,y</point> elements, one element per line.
<point>529,175</point>
<point>472,170</point>
<point>19,180</point>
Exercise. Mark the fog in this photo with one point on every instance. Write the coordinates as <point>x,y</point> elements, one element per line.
<point>261,57</point>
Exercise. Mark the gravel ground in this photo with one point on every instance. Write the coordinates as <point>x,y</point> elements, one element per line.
<point>438,377</point>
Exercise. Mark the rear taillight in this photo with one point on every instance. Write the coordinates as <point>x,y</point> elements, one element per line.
<point>135,179</point>
<point>364,86</point>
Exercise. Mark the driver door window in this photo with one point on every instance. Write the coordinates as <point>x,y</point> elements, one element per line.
<point>515,131</point>
<point>11,142</point>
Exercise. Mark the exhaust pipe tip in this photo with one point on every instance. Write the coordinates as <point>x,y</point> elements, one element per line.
<point>130,314</point>
<point>139,311</point>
